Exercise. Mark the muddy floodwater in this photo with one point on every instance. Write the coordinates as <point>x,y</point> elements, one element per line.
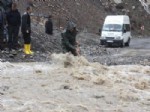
<point>72,84</point>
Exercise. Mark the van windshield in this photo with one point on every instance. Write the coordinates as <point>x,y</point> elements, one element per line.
<point>112,27</point>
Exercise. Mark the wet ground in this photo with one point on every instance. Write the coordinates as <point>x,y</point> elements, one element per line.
<point>137,53</point>
<point>44,45</point>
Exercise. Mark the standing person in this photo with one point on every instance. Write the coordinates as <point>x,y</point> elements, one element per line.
<point>14,21</point>
<point>26,30</point>
<point>49,26</point>
<point>2,24</point>
<point>142,30</point>
<point>69,42</point>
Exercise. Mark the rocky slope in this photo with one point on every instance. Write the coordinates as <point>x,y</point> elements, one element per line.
<point>90,14</point>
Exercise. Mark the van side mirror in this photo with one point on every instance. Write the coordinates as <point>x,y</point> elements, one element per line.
<point>99,32</point>
<point>124,31</point>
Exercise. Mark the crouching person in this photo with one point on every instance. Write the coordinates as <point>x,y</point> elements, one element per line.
<point>69,42</point>
<point>26,30</point>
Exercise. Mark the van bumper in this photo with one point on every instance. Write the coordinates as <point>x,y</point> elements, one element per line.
<point>112,42</point>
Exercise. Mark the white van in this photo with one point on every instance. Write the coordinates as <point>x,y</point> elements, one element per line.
<point>116,30</point>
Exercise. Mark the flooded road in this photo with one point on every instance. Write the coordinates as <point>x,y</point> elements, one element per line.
<point>72,84</point>
<point>75,84</point>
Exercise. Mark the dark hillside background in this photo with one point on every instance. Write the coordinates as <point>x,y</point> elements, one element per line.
<point>89,14</point>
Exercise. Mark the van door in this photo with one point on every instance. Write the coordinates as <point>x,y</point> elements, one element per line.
<point>126,32</point>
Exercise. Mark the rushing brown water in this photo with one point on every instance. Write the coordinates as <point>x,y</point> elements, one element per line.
<point>72,84</point>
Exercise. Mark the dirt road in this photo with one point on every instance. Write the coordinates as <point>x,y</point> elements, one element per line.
<point>138,47</point>
<point>137,53</point>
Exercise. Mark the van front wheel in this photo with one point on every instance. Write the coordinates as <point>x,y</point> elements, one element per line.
<point>122,44</point>
<point>128,42</point>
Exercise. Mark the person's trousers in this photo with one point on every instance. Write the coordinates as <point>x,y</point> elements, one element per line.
<point>27,38</point>
<point>73,51</point>
<point>1,36</point>
<point>13,32</point>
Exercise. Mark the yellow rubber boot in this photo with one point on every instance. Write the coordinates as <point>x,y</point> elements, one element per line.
<point>26,49</point>
<point>29,49</point>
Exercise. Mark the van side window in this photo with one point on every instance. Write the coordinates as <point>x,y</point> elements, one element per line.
<point>126,27</point>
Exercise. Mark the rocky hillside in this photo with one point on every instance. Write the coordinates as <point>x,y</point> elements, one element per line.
<point>90,14</point>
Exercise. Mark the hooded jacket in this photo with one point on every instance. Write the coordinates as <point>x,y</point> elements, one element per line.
<point>69,40</point>
<point>49,27</point>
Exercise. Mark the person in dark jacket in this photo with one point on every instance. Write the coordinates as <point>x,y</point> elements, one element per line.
<point>14,21</point>
<point>2,24</point>
<point>26,30</point>
<point>69,42</point>
<point>49,26</point>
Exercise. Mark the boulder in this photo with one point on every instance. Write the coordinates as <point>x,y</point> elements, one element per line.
<point>118,1</point>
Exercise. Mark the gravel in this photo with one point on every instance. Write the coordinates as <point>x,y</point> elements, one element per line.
<point>44,45</point>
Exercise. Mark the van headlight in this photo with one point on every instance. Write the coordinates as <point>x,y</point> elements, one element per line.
<point>103,37</point>
<point>118,38</point>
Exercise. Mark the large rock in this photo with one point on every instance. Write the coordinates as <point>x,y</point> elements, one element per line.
<point>118,1</point>
<point>120,6</point>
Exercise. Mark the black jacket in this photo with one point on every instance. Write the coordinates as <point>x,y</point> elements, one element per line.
<point>26,23</point>
<point>13,18</point>
<point>2,18</point>
<point>49,27</point>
